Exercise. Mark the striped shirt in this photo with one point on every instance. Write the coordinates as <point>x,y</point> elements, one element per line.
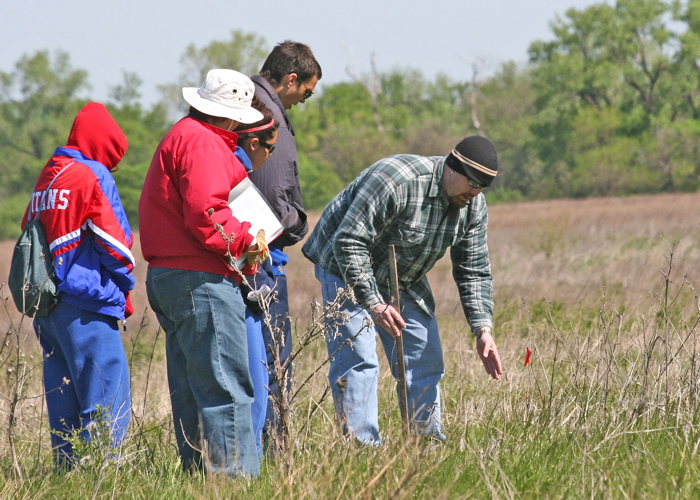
<point>399,201</point>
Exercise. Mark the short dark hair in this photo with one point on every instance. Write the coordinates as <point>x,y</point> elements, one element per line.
<point>290,57</point>
<point>263,135</point>
<point>202,117</point>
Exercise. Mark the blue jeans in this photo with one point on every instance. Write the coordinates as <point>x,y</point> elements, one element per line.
<point>258,373</point>
<point>211,391</point>
<point>85,369</point>
<point>282,337</point>
<point>354,367</point>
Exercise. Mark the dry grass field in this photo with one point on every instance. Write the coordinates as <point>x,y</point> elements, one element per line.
<point>562,250</point>
<point>602,291</point>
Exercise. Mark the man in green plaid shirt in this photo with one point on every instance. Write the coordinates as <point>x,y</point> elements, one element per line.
<point>421,205</point>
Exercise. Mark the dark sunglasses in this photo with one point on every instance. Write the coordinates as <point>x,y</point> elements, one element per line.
<point>308,92</point>
<point>475,185</point>
<point>270,147</point>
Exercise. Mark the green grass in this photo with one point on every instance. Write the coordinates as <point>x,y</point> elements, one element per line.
<point>603,411</point>
<point>608,409</point>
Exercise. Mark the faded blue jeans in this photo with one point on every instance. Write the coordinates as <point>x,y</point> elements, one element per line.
<point>203,316</point>
<point>85,373</point>
<point>354,368</point>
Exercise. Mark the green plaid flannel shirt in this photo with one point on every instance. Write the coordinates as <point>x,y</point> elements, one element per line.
<point>399,201</point>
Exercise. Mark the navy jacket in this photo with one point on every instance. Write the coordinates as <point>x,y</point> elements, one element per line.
<point>278,178</point>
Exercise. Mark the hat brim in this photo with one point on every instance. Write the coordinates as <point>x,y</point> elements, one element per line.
<point>468,171</point>
<point>242,115</point>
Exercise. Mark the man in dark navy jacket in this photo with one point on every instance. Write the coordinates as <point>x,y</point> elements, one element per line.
<point>288,77</point>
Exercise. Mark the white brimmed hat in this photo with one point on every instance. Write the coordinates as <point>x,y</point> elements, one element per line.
<point>225,93</point>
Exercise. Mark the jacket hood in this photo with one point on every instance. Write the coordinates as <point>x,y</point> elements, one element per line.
<point>98,136</point>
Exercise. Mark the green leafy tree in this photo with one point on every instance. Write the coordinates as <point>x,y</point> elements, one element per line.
<point>614,81</point>
<point>319,184</point>
<point>685,70</point>
<point>332,139</point>
<point>506,108</point>
<point>343,135</point>
<point>38,102</point>
<point>144,129</point>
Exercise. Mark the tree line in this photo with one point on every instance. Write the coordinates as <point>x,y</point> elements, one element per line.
<point>610,106</point>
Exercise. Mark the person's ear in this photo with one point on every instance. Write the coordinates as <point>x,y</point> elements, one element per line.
<point>254,144</point>
<point>291,79</point>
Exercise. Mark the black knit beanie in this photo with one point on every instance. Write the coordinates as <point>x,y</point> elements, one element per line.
<point>475,158</point>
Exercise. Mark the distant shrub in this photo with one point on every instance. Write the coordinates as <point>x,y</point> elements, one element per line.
<point>11,212</point>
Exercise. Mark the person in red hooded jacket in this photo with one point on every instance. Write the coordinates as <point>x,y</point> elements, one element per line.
<point>86,376</point>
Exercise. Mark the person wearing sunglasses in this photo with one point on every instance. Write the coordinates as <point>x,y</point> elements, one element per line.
<point>288,77</point>
<point>422,205</point>
<point>256,142</point>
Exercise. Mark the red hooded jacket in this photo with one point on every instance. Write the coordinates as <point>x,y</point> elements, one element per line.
<point>85,223</point>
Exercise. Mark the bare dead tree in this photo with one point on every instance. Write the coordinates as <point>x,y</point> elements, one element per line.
<point>474,97</point>
<point>373,88</point>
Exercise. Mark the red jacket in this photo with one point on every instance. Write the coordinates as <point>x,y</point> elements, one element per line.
<point>86,226</point>
<point>192,172</point>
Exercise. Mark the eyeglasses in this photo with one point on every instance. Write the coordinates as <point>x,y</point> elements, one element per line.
<point>270,147</point>
<point>474,184</point>
<point>308,92</point>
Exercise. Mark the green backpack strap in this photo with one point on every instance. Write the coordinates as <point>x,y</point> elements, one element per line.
<point>32,280</point>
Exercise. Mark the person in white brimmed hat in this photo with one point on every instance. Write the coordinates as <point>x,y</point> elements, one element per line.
<point>194,293</point>
<point>224,94</point>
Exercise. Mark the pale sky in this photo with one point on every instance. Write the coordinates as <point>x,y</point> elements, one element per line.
<point>148,37</point>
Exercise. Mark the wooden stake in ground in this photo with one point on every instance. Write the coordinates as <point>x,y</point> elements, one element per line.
<point>401,360</point>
